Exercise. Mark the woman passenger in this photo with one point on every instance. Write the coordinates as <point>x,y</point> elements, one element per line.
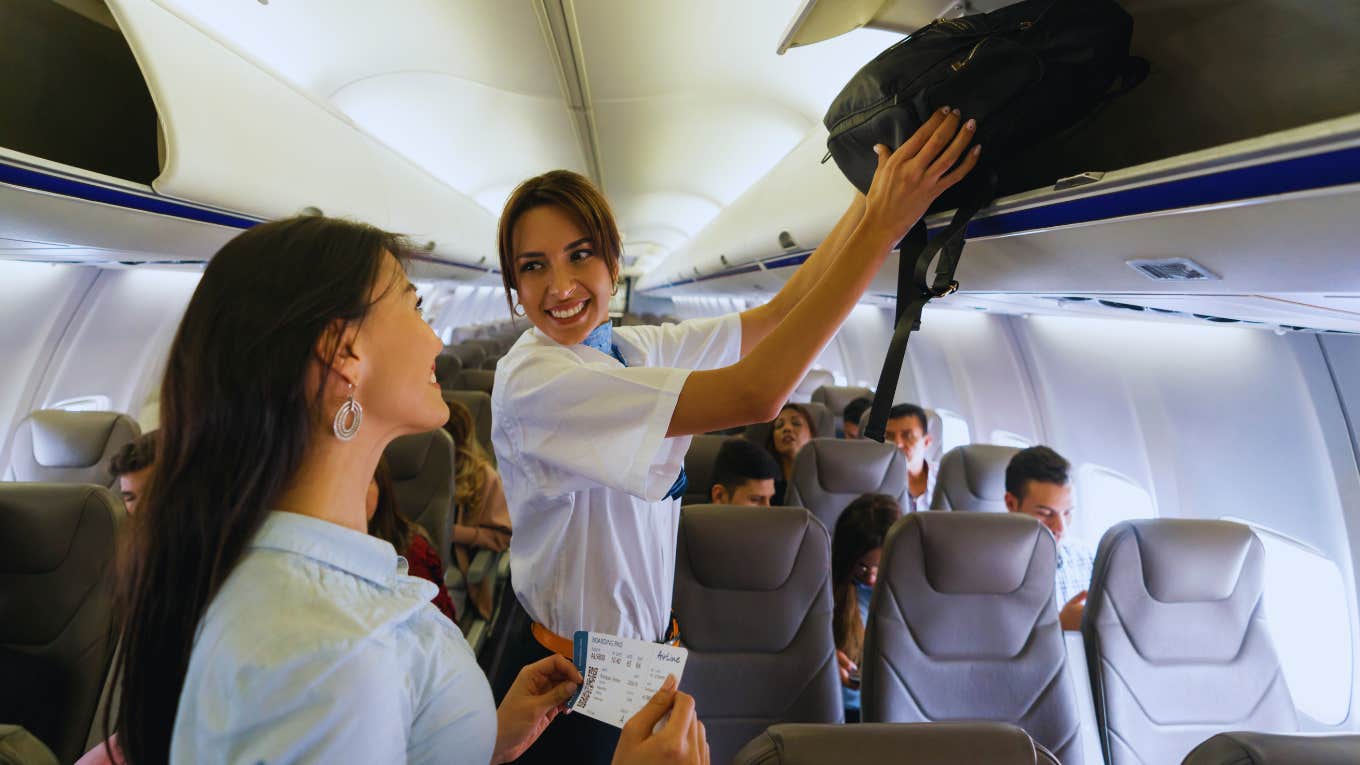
<point>386,522</point>
<point>856,547</point>
<point>260,622</point>
<point>789,433</point>
<point>591,423</point>
<point>481,520</point>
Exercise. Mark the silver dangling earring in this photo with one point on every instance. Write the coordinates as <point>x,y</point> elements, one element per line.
<point>348,418</point>
<point>518,310</point>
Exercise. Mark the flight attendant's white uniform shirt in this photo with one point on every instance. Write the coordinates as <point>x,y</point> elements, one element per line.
<point>581,444</point>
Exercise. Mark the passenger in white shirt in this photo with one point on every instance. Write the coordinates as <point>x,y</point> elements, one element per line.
<point>591,423</point>
<point>907,428</point>
<point>262,623</point>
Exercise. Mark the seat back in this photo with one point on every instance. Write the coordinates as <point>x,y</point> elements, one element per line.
<point>753,600</point>
<point>822,422</point>
<point>479,404</point>
<point>887,743</point>
<point>973,478</point>
<point>483,380</point>
<point>491,361</point>
<point>1249,748</point>
<point>814,379</point>
<point>422,476</point>
<point>55,446</point>
<point>699,463</point>
<point>56,550</point>
<point>829,473</point>
<point>963,626</point>
<point>837,397</point>
<point>446,369</point>
<point>1177,641</point>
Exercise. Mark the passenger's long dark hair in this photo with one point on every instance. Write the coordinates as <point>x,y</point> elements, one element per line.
<point>388,523</point>
<point>861,528</point>
<point>237,414</point>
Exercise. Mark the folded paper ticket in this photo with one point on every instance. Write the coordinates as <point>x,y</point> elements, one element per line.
<point>620,675</point>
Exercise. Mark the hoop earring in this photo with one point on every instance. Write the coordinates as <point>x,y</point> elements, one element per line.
<point>348,417</point>
<point>518,310</point>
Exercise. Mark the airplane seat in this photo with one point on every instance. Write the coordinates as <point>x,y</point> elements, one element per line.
<point>491,361</point>
<point>814,379</point>
<point>479,404</point>
<point>483,380</point>
<point>822,422</point>
<point>1250,748</point>
<point>700,460</point>
<point>422,467</point>
<point>57,543</point>
<point>963,625</point>
<point>446,369</point>
<point>973,478</point>
<point>893,743</point>
<point>471,355</point>
<point>753,601</point>
<point>836,397</point>
<point>829,473</point>
<point>56,446</point>
<point>19,747</point>
<point>1176,639</point>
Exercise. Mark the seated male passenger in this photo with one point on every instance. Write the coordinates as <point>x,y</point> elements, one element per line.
<point>1037,485</point>
<point>907,429</point>
<point>132,467</point>
<point>852,414</point>
<point>744,474</point>
<point>856,547</point>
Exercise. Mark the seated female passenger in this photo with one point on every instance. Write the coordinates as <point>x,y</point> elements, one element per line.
<point>792,429</point>
<point>261,622</point>
<point>386,522</point>
<point>481,520</point>
<point>856,547</point>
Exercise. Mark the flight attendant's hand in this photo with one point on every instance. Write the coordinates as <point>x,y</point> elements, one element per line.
<point>536,697</point>
<point>909,179</point>
<point>681,740</point>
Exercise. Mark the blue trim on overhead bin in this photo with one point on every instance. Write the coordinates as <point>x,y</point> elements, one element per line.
<point>18,175</point>
<point>785,262</point>
<point>737,271</point>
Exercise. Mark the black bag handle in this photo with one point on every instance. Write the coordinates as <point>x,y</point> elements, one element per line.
<point>915,289</point>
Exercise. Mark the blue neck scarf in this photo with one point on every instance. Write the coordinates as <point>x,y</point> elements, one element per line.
<point>602,339</point>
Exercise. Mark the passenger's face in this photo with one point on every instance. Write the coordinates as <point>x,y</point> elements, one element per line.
<point>851,429</point>
<point>791,433</point>
<point>1050,503</point>
<point>396,350</point>
<point>561,279</point>
<point>132,485</point>
<point>753,493</point>
<point>866,568</point>
<point>908,435</point>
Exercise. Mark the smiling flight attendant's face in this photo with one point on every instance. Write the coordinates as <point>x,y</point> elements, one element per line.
<point>562,281</point>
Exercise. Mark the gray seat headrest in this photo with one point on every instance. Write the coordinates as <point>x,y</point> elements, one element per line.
<point>1176,639</point>
<point>483,380</point>
<point>973,478</point>
<point>19,747</point>
<point>479,404</point>
<point>700,461</point>
<point>56,550</point>
<point>1249,748</point>
<point>837,397</point>
<point>829,473</point>
<point>471,355</point>
<point>814,379</point>
<point>423,472</point>
<point>947,743</point>
<point>822,421</point>
<point>446,369</point>
<point>56,446</point>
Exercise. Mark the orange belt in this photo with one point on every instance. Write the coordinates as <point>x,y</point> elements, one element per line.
<point>565,648</point>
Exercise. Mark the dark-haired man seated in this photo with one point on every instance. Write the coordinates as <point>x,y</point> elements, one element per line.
<point>132,467</point>
<point>907,429</point>
<point>744,474</point>
<point>1037,484</point>
<point>854,412</point>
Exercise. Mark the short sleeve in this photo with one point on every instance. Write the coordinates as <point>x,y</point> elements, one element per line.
<point>575,425</point>
<point>708,343</point>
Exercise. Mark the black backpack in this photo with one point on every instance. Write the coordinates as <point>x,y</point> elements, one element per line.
<point>1026,72</point>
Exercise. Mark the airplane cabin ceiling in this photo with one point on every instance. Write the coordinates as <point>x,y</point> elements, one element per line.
<point>690,104</point>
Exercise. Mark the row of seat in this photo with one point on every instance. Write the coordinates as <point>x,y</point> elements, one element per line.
<point>963,625</point>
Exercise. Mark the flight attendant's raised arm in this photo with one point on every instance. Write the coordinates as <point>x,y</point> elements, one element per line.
<point>905,184</point>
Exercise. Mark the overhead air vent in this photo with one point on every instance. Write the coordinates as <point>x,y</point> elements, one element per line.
<point>1172,270</point>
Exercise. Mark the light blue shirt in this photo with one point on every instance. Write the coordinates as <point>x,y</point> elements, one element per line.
<point>320,649</point>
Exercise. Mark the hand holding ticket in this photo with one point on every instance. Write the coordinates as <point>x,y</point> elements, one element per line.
<point>620,674</point>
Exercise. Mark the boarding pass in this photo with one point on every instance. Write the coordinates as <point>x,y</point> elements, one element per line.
<point>620,675</point>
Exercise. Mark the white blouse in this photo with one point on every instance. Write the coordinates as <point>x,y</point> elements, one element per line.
<point>582,448</point>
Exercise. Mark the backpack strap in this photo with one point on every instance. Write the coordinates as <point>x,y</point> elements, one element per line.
<point>915,288</point>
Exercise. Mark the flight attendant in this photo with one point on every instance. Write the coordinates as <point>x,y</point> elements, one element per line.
<point>591,422</point>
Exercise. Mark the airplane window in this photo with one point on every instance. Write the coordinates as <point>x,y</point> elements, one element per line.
<point>1105,498</point>
<point>1007,438</point>
<point>1306,608</point>
<point>84,404</point>
<point>954,430</point>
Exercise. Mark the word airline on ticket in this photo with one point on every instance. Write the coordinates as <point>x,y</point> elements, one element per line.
<point>620,675</point>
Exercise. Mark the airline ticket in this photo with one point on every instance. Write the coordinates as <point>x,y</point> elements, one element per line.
<point>620,675</point>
